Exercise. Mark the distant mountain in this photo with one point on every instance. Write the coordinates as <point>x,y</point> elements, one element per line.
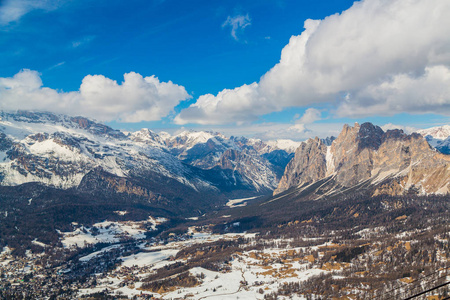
<point>390,162</point>
<point>438,137</point>
<point>440,133</point>
<point>283,144</point>
<point>59,150</point>
<point>259,163</point>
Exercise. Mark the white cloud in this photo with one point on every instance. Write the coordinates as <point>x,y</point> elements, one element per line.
<point>406,129</point>
<point>237,23</point>
<point>370,59</point>
<point>298,128</point>
<point>297,132</point>
<point>13,10</point>
<point>310,116</point>
<point>136,99</point>
<point>274,131</point>
<point>427,93</point>
<point>229,106</point>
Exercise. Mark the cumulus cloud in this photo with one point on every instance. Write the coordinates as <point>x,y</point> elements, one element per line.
<point>237,23</point>
<point>13,10</point>
<point>136,99</point>
<point>370,59</point>
<point>427,93</point>
<point>229,106</point>
<point>311,115</point>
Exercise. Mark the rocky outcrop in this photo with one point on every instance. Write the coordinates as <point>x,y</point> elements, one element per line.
<point>308,165</point>
<point>392,161</point>
<point>5,142</point>
<point>104,182</point>
<point>254,169</point>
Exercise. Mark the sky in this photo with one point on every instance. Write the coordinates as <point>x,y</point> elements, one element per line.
<point>268,69</point>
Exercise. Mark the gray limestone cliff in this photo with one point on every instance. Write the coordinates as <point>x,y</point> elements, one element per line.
<point>393,162</point>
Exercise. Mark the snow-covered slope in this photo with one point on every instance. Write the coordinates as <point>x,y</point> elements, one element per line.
<point>188,139</point>
<point>438,137</point>
<point>283,144</point>
<point>440,133</point>
<point>60,150</point>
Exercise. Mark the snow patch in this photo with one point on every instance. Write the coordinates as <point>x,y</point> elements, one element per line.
<point>103,232</point>
<point>148,258</point>
<point>330,161</point>
<point>232,203</point>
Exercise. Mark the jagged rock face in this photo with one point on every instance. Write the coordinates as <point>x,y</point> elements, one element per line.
<point>5,142</point>
<point>254,169</point>
<point>393,162</point>
<point>352,153</point>
<point>308,165</point>
<point>260,165</point>
<point>203,155</point>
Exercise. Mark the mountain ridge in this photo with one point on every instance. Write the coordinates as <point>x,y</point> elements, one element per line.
<point>392,161</point>
<point>58,150</point>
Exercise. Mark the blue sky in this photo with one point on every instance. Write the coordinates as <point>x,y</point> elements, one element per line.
<point>170,65</point>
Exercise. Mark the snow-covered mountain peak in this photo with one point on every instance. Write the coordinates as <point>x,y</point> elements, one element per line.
<point>189,138</point>
<point>440,132</point>
<point>284,144</point>
<point>59,150</point>
<point>147,136</point>
<point>164,135</point>
<point>20,124</point>
<point>438,137</point>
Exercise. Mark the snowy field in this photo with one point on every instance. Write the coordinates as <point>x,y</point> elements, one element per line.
<point>107,232</point>
<point>249,277</point>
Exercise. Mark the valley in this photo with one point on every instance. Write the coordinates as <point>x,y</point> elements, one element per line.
<point>88,212</point>
<point>308,258</point>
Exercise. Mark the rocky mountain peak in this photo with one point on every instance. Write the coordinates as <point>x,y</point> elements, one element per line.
<point>308,165</point>
<point>147,136</point>
<point>369,136</point>
<point>392,161</point>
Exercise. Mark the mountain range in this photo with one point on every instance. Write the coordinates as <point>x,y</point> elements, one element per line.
<point>70,165</point>
<point>60,151</point>
<point>88,205</point>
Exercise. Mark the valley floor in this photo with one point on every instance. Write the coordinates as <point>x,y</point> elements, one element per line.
<point>359,263</point>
